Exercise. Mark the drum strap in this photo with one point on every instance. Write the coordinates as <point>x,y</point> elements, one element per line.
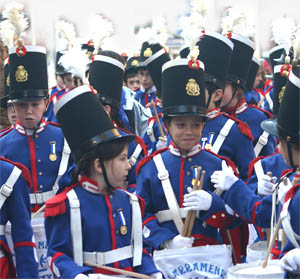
<point>7,188</point>
<point>163,176</point>
<point>150,130</point>
<point>270,101</point>
<point>286,224</point>
<point>2,229</point>
<point>76,229</point>
<point>222,136</point>
<point>136,153</point>
<point>136,232</point>
<point>262,141</point>
<point>259,170</point>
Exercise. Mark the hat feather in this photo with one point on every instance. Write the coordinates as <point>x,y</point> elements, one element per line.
<point>7,33</point>
<point>66,32</point>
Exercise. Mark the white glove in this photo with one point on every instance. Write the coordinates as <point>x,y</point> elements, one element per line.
<point>81,276</point>
<point>197,200</point>
<point>291,261</point>
<point>225,178</point>
<point>162,143</point>
<point>179,242</point>
<point>265,185</point>
<point>157,275</point>
<point>283,189</point>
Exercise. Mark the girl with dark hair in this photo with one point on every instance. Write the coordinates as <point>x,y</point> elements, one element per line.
<point>94,222</point>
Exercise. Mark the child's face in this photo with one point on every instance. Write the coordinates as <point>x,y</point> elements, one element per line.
<point>186,131</point>
<point>30,113</point>
<point>117,169</point>
<point>133,83</point>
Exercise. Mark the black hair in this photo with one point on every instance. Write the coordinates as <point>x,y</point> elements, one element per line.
<point>130,74</point>
<point>211,88</point>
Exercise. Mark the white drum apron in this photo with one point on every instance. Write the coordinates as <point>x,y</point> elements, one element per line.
<point>41,245</point>
<point>257,251</point>
<point>211,261</point>
<point>255,270</point>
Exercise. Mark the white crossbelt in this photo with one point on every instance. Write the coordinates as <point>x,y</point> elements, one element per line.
<point>76,229</point>
<point>2,229</point>
<point>38,198</point>
<point>150,131</point>
<point>166,215</point>
<point>103,258</point>
<point>222,136</point>
<point>286,224</point>
<point>259,170</point>
<point>270,101</point>
<point>262,141</point>
<point>136,153</point>
<point>7,188</point>
<point>163,176</point>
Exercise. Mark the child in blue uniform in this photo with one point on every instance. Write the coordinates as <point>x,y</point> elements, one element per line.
<point>45,152</point>
<point>94,222</point>
<point>15,208</point>
<point>164,177</point>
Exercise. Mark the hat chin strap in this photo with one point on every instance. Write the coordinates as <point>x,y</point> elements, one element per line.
<point>110,188</point>
<point>235,88</point>
<point>290,154</point>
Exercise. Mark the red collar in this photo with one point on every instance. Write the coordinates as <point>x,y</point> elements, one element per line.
<point>238,108</point>
<point>29,132</point>
<point>89,184</point>
<point>213,113</point>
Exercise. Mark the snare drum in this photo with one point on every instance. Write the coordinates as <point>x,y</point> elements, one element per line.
<point>257,251</point>
<point>254,270</point>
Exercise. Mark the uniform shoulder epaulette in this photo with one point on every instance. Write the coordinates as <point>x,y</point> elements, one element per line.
<point>286,172</point>
<point>269,114</point>
<point>24,169</point>
<point>53,123</point>
<point>260,91</point>
<point>57,205</point>
<point>292,192</point>
<point>5,131</point>
<point>148,158</point>
<point>252,163</point>
<point>228,161</point>
<point>141,142</point>
<point>243,127</point>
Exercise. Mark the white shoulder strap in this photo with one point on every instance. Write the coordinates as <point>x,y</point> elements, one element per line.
<point>63,165</point>
<point>259,170</point>
<point>136,153</point>
<point>286,224</point>
<point>163,175</point>
<point>270,101</point>
<point>150,131</point>
<point>137,231</point>
<point>76,230</point>
<point>7,188</point>
<point>262,141</point>
<point>222,136</point>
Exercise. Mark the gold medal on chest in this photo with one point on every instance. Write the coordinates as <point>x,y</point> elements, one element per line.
<point>123,230</point>
<point>52,157</point>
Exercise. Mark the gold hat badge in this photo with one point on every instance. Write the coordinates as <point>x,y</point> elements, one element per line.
<point>135,62</point>
<point>21,74</point>
<point>192,88</point>
<point>148,52</point>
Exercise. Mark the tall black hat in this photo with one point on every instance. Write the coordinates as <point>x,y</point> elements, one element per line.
<point>184,52</point>
<point>183,88</point>
<point>215,52</point>
<point>252,73</point>
<point>5,98</point>
<point>275,55</point>
<point>132,65</point>
<point>106,76</point>
<point>287,124</point>
<point>240,61</point>
<point>28,73</point>
<point>155,58</point>
<point>84,121</point>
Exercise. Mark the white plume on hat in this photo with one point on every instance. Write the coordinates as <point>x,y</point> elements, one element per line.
<point>296,45</point>
<point>15,16</point>
<point>7,33</point>
<point>66,33</point>
<point>155,32</point>
<point>282,32</point>
<point>100,28</point>
<point>238,21</point>
<point>193,24</point>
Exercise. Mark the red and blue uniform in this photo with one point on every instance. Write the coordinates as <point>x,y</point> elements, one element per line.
<point>16,210</point>
<point>100,233</point>
<point>42,154</point>
<point>145,96</point>
<point>254,97</point>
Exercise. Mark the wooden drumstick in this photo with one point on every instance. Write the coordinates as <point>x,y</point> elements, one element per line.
<point>39,211</point>
<point>157,120</point>
<point>121,271</point>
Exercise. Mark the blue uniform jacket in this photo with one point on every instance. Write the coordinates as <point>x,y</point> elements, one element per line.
<point>16,209</point>
<point>237,145</point>
<point>180,170</point>
<point>253,116</point>
<point>253,97</point>
<point>101,231</point>
<point>34,152</point>
<point>145,97</point>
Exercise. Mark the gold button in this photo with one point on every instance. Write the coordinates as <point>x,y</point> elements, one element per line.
<point>188,173</point>
<point>110,196</point>
<point>190,159</point>
<point>39,160</point>
<point>114,215</point>
<point>41,186</point>
<point>40,173</point>
<point>223,215</point>
<point>214,216</point>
